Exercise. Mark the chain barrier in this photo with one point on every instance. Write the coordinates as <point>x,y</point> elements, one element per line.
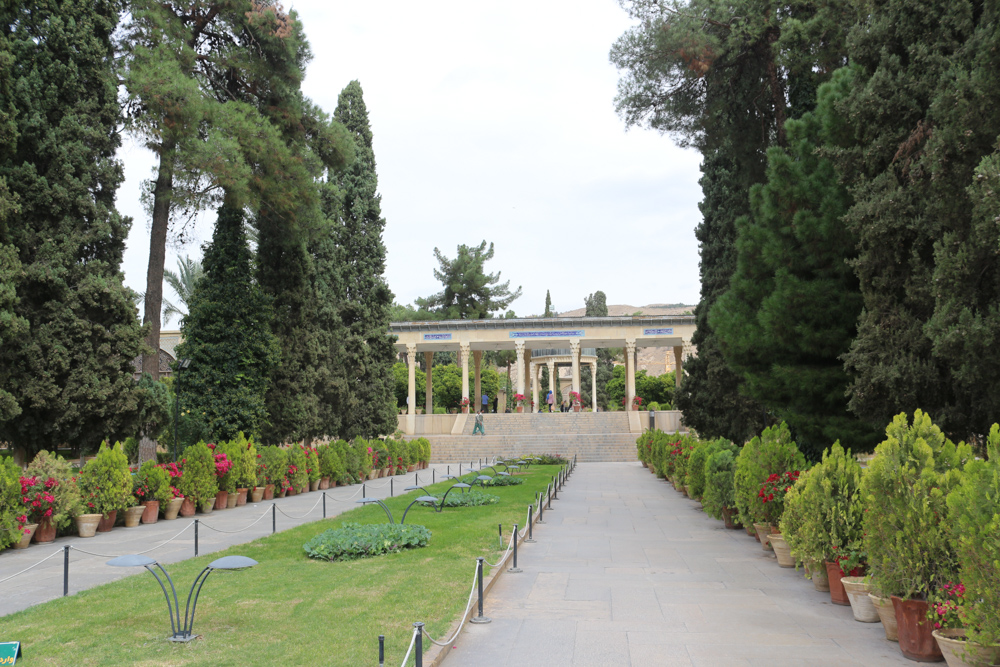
<point>413,639</point>
<point>351,497</point>
<point>31,567</point>
<point>308,511</point>
<point>233,532</point>
<point>510,545</point>
<point>472,595</point>
<point>137,553</point>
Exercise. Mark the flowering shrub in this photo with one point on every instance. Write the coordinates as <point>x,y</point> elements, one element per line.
<point>575,397</point>
<point>152,482</point>
<point>105,481</point>
<point>770,452</point>
<point>948,606</point>
<point>66,491</point>
<point>519,398</point>
<point>637,400</point>
<point>772,495</point>
<point>464,403</point>
<point>222,464</point>
<point>298,466</point>
<point>37,498</point>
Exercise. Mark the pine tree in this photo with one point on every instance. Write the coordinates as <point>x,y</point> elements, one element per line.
<point>793,302</point>
<point>548,305</point>
<point>227,337</point>
<point>369,350</point>
<point>469,292</point>
<point>73,375</point>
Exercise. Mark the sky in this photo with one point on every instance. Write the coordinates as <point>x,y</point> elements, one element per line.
<point>496,122</point>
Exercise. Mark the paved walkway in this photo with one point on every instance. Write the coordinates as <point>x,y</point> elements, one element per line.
<point>627,571</point>
<point>45,582</point>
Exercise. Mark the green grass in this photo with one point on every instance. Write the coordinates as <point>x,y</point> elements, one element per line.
<point>289,609</point>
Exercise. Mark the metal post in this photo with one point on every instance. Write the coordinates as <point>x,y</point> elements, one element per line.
<point>459,469</point>
<point>479,580</point>
<point>419,649</point>
<point>548,493</point>
<point>196,537</point>
<point>65,570</point>
<point>515,569</point>
<point>449,470</point>
<point>500,533</point>
<point>364,489</point>
<point>555,490</point>
<point>274,518</point>
<point>531,511</point>
<point>324,504</point>
<point>416,479</point>
<point>390,486</point>
<point>541,508</point>
<point>381,651</point>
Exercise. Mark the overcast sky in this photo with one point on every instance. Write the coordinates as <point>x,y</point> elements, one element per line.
<point>495,121</point>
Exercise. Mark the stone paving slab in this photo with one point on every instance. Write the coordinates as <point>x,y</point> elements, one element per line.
<point>626,571</point>
<point>45,582</point>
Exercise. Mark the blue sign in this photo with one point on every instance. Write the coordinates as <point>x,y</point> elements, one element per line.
<point>437,336</point>
<point>658,332</point>
<point>547,334</point>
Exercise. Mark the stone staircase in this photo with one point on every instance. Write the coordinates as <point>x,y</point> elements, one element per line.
<point>591,436</point>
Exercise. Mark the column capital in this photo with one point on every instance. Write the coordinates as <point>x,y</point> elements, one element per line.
<point>519,346</point>
<point>464,347</point>
<point>411,349</point>
<point>574,345</point>
<point>630,345</point>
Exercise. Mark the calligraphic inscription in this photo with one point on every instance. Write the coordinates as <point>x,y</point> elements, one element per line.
<point>658,332</point>
<point>441,336</point>
<point>578,333</point>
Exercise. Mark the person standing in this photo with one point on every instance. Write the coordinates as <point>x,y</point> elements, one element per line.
<point>486,402</point>
<point>550,399</point>
<point>479,424</point>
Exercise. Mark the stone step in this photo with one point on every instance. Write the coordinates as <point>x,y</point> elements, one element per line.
<point>558,423</point>
<point>597,447</point>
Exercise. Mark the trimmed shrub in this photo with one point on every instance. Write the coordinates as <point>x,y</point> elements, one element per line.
<point>352,541</point>
<point>106,481</point>
<point>720,492</point>
<point>198,482</point>
<point>10,502</point>
<point>152,483</point>
<point>274,465</point>
<point>312,463</point>
<point>773,451</point>
<point>297,473</point>
<point>66,490</point>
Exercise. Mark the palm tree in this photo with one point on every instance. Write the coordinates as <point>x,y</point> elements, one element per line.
<point>189,272</point>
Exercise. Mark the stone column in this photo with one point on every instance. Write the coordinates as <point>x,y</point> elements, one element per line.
<point>534,386</point>
<point>593,383</point>
<point>477,358</point>
<point>629,373</point>
<point>464,351</point>
<point>521,368</point>
<point>411,395</point>
<point>574,350</point>
<point>678,366</point>
<point>552,382</point>
<point>428,389</point>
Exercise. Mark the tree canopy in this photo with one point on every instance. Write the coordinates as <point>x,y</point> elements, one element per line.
<point>469,292</point>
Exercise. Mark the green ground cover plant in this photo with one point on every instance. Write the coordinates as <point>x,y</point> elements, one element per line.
<point>327,613</point>
<point>471,498</point>
<point>352,541</point>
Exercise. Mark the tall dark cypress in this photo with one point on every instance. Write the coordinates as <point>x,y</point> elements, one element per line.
<point>73,374</point>
<point>369,352</point>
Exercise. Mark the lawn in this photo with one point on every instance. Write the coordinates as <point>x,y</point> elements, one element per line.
<point>289,609</point>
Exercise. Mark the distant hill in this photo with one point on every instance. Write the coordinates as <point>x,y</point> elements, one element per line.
<point>626,310</point>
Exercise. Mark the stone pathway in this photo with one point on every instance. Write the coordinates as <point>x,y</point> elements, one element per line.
<point>626,571</point>
<point>45,582</point>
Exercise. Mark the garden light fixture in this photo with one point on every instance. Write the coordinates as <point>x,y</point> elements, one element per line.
<point>367,501</point>
<point>182,633</point>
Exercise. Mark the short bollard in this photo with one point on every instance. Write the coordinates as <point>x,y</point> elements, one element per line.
<point>364,489</point>
<point>500,533</point>
<point>541,509</point>
<point>391,480</point>
<point>514,569</point>
<point>548,493</point>
<point>196,537</point>
<point>531,511</point>
<point>416,479</point>
<point>274,518</point>
<point>381,651</point>
<point>479,580</point>
<point>324,504</point>
<point>555,490</point>
<point>65,570</point>
<point>433,475</point>
<point>419,648</point>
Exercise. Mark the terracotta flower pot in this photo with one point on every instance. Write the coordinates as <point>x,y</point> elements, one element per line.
<point>46,531</point>
<point>133,515</point>
<point>887,614</point>
<point>26,536</point>
<point>644,464</point>
<point>241,497</point>
<point>838,595</point>
<point>750,531</point>
<point>961,653</point>
<point>324,484</point>
<point>86,524</point>
<point>763,535</point>
<point>152,511</point>
<point>520,408</point>
<point>916,639</point>
<point>314,485</point>
<point>269,492</point>
<point>187,507</point>
<point>231,498</point>
<point>257,494</point>
<point>729,517</point>
<point>782,550</point>
<point>465,410</point>
<point>282,493</point>
<point>172,508</point>
<point>861,604</point>
<point>333,483</point>
<point>820,579</point>
<point>221,499</point>
<point>290,492</point>
<point>410,468</point>
<point>206,506</point>
<point>107,521</point>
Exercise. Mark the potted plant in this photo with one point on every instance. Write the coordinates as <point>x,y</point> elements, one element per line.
<point>464,404</point>
<point>199,483</point>
<point>273,464</point>
<point>519,399</point>
<point>773,451</point>
<point>106,483</point>
<point>13,520</point>
<point>331,465</point>
<point>636,402</point>
<point>173,505</point>
<point>974,508</point>
<point>298,468</point>
<point>574,397</point>
<point>55,475</point>
<point>245,461</point>
<point>907,534</point>
<point>151,487</point>
<point>312,468</point>
<point>720,493</point>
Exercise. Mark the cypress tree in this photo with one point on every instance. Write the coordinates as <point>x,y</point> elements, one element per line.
<point>73,374</point>
<point>368,349</point>
<point>227,337</point>
<point>596,305</point>
<point>548,305</point>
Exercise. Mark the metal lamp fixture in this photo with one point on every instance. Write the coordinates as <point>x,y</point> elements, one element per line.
<point>368,501</point>
<point>182,633</point>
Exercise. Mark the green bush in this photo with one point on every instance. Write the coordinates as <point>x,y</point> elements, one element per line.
<point>360,447</point>
<point>198,483</point>
<point>106,481</point>
<point>907,536</point>
<point>10,502</point>
<point>720,492</point>
<point>273,464</point>
<point>653,406</point>
<point>504,480</point>
<point>352,462</point>
<point>297,473</point>
<point>974,506</point>
<point>66,491</point>
<point>773,451</point>
<point>330,465</point>
<point>470,498</point>
<point>131,449</point>
<point>152,483</point>
<point>696,464</point>
<point>234,452</point>
<point>312,463</point>
<point>823,511</point>
<point>352,541</point>
<point>246,463</point>
<point>395,455</point>
<point>440,411</point>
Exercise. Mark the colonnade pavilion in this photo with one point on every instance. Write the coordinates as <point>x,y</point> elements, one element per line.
<point>538,342</point>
